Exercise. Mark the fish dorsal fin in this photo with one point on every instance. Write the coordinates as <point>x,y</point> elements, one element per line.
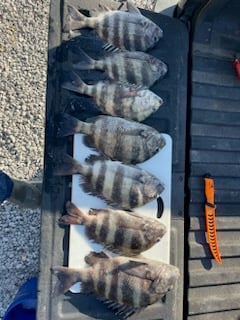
<point>132,8</point>
<point>94,257</point>
<point>110,48</point>
<point>95,212</point>
<point>95,157</point>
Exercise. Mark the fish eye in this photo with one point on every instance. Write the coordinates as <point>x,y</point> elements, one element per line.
<point>155,38</point>
<point>158,239</point>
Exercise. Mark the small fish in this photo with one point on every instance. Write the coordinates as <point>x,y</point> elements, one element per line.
<point>117,138</point>
<point>123,185</point>
<point>116,99</point>
<point>126,30</point>
<point>136,67</point>
<point>125,284</point>
<point>120,231</point>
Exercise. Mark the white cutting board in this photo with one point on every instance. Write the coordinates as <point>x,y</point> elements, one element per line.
<point>161,166</point>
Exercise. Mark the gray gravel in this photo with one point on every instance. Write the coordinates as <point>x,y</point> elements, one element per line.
<point>23,52</point>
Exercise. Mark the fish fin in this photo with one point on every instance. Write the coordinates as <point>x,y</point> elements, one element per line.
<point>86,63</point>
<point>75,19</point>
<point>92,158</point>
<point>66,278</point>
<point>95,212</point>
<point>135,268</point>
<point>132,8</point>
<point>104,7</point>
<point>67,166</point>
<point>93,257</point>
<point>74,215</point>
<point>68,125</point>
<point>110,48</point>
<point>75,84</point>
<point>120,309</point>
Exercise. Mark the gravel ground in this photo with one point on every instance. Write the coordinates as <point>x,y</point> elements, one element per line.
<point>23,63</point>
<point>23,51</point>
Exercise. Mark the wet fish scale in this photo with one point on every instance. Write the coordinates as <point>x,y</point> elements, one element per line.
<point>116,99</point>
<point>99,176</point>
<point>118,230</point>
<point>127,30</point>
<point>136,67</point>
<point>135,283</point>
<point>117,138</point>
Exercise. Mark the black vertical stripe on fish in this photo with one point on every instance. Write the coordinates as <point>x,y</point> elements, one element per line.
<point>128,292</point>
<point>88,284</point>
<point>91,229</point>
<point>136,242</point>
<point>134,198</point>
<point>145,75</point>
<point>98,137</point>
<point>116,32</point>
<point>119,237</point>
<point>115,97</point>
<point>114,70</point>
<point>144,299</point>
<point>101,286</point>
<point>113,279</point>
<point>126,40</point>
<point>99,185</point>
<point>117,183</point>
<point>131,76</point>
<point>105,25</point>
<point>94,93</point>
<point>145,149</point>
<point>105,229</point>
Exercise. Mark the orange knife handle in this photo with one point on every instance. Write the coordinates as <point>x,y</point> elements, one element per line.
<point>210,208</point>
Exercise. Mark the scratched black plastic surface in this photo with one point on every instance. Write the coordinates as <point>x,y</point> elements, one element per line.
<point>170,119</point>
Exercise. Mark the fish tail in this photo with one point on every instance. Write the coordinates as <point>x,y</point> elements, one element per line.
<point>67,166</point>
<point>86,63</point>
<point>66,278</point>
<point>69,125</point>
<point>74,215</point>
<point>75,20</point>
<point>75,84</point>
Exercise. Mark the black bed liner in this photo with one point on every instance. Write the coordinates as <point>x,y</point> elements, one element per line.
<point>169,119</point>
<point>214,118</point>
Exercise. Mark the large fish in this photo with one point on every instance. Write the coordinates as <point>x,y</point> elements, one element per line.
<point>126,30</point>
<point>136,67</point>
<point>117,138</point>
<point>123,185</point>
<point>116,99</point>
<point>120,231</point>
<point>129,283</point>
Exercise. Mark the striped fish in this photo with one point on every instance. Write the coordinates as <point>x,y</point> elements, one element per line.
<point>123,185</point>
<point>120,231</point>
<point>136,67</point>
<point>117,138</point>
<point>129,283</point>
<point>120,100</point>
<point>126,30</point>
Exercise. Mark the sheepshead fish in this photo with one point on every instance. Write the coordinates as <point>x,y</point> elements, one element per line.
<point>123,185</point>
<point>126,30</point>
<point>127,283</point>
<point>117,138</point>
<point>116,99</point>
<point>136,67</point>
<point>120,231</point>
